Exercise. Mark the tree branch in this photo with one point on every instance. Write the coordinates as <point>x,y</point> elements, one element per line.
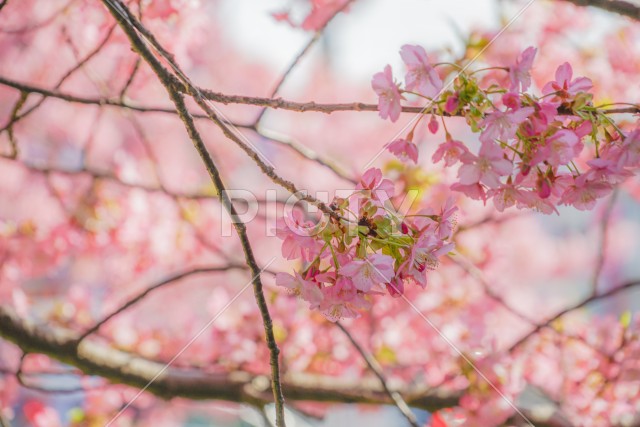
<point>577,306</point>
<point>602,244</point>
<point>169,280</point>
<point>375,367</point>
<point>120,367</point>
<point>119,102</point>
<point>127,21</point>
<point>620,7</point>
<point>301,55</point>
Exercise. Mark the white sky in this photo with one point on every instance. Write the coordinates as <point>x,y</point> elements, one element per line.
<point>363,40</point>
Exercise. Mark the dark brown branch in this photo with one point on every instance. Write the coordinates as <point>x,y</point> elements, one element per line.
<point>279,103</point>
<point>112,102</point>
<point>116,9</point>
<point>621,7</point>
<point>169,280</point>
<point>121,103</point>
<point>375,367</point>
<point>119,367</point>
<point>577,306</point>
<point>12,119</point>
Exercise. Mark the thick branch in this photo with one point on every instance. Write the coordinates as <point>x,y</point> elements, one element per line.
<point>621,7</point>
<point>119,367</point>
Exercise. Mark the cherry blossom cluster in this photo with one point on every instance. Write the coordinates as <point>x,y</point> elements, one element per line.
<point>534,151</point>
<point>366,249</point>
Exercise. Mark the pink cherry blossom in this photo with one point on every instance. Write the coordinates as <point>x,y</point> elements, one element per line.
<point>559,149</point>
<point>403,149</point>
<point>420,76</point>
<point>507,195</point>
<point>607,170</point>
<point>424,256</point>
<point>520,73</point>
<point>306,289</point>
<point>563,86</point>
<point>451,150</point>
<point>388,94</point>
<point>297,235</point>
<point>630,150</point>
<point>501,125</point>
<point>366,273</point>
<point>486,168</point>
<point>446,219</point>
<point>474,191</point>
<point>375,186</point>
<point>342,300</point>
<point>583,194</point>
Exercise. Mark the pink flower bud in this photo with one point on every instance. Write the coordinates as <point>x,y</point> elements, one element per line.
<point>544,187</point>
<point>395,287</point>
<point>452,104</point>
<point>433,124</point>
<point>404,228</point>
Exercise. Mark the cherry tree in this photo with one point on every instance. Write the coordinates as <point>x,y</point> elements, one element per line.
<point>456,236</point>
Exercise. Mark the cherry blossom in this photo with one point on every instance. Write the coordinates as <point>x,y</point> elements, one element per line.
<point>520,73</point>
<point>367,273</point>
<point>388,94</point>
<point>564,87</point>
<point>404,150</point>
<point>486,168</point>
<point>421,76</point>
<point>450,150</point>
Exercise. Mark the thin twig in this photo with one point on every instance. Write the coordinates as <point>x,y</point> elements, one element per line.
<point>58,85</point>
<point>602,244</point>
<point>169,280</point>
<point>129,81</point>
<point>307,47</point>
<point>581,304</point>
<point>476,274</point>
<point>375,367</point>
<point>38,25</point>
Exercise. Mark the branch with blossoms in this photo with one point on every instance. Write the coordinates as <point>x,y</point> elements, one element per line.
<point>535,151</point>
<point>371,250</point>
